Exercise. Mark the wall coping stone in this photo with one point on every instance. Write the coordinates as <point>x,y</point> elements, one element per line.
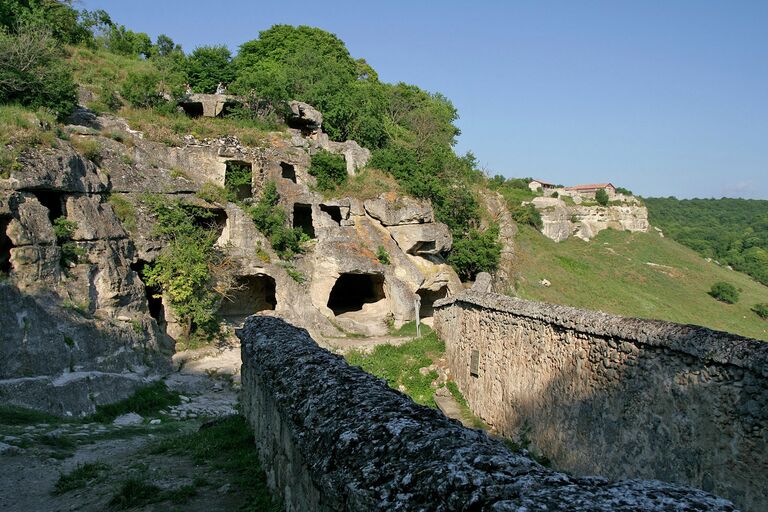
<point>366,446</point>
<point>716,346</point>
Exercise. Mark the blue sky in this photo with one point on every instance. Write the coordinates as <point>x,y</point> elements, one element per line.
<point>662,97</point>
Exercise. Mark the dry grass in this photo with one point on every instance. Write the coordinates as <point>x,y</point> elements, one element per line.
<point>366,184</point>
<point>21,128</point>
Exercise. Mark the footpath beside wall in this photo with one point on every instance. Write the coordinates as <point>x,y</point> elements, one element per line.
<point>332,437</point>
<point>620,397</point>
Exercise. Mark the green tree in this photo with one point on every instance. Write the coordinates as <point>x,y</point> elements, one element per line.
<point>209,65</point>
<point>601,196</point>
<point>58,17</point>
<point>329,169</point>
<point>141,89</point>
<point>123,41</point>
<point>478,252</point>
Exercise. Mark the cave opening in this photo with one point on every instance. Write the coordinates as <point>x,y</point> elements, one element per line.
<point>215,219</point>
<point>351,292</point>
<point>250,295</point>
<point>192,108</point>
<point>302,218</point>
<point>238,179</point>
<point>5,246</point>
<point>333,211</point>
<point>52,200</point>
<point>428,298</point>
<point>420,248</point>
<point>288,171</point>
<point>152,293</point>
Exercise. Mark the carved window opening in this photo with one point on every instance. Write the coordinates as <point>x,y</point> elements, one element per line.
<point>428,298</point>
<point>302,219</point>
<point>352,291</point>
<point>215,220</point>
<point>52,200</point>
<point>238,179</point>
<point>333,211</point>
<point>5,246</point>
<point>152,293</point>
<point>251,294</point>
<point>288,171</point>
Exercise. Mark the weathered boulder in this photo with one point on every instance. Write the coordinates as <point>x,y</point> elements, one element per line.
<point>555,218</point>
<point>393,210</point>
<point>483,283</point>
<point>355,155</point>
<point>61,169</point>
<point>305,116</point>
<point>422,239</point>
<point>95,219</point>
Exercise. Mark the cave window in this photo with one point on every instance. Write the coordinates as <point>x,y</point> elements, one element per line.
<point>302,218</point>
<point>215,220</point>
<point>152,293</point>
<point>193,108</point>
<point>333,211</point>
<point>250,294</point>
<point>428,298</point>
<point>351,292</point>
<point>5,246</point>
<point>288,171</point>
<point>238,179</point>
<point>54,201</point>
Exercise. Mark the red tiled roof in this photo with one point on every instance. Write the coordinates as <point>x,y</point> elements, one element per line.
<point>593,186</point>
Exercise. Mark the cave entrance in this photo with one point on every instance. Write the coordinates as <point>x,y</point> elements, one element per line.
<point>288,171</point>
<point>333,211</point>
<point>353,291</point>
<point>152,293</point>
<point>5,246</point>
<point>251,294</point>
<point>302,218</point>
<point>52,200</point>
<point>238,179</point>
<point>214,219</point>
<point>192,108</point>
<point>428,298</point>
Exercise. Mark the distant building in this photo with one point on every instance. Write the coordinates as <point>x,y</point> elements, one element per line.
<point>535,185</point>
<point>589,190</point>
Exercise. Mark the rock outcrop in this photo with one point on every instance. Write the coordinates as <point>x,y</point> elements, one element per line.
<point>560,220</point>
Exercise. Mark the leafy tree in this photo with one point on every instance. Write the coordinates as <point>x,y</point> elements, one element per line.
<point>123,41</point>
<point>141,89</point>
<point>58,17</point>
<point>165,47</point>
<point>33,72</point>
<point>724,292</point>
<point>329,169</point>
<point>601,196</point>
<point>207,66</point>
<point>527,214</point>
<point>478,252</point>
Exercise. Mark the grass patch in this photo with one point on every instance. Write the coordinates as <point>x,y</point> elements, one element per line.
<point>136,492</point>
<point>366,184</point>
<point>226,444</point>
<point>635,274</point>
<point>146,401</point>
<point>80,477</point>
<point>89,148</point>
<point>408,329</point>
<point>12,416</point>
<point>125,211</point>
<point>21,128</point>
<point>399,365</point>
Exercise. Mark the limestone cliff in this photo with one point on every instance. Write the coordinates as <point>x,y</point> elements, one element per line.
<point>84,330</point>
<point>561,220</point>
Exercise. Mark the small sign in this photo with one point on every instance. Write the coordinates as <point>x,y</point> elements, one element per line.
<point>474,363</point>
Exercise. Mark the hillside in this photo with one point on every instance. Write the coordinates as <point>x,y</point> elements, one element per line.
<point>636,274</point>
<point>732,231</point>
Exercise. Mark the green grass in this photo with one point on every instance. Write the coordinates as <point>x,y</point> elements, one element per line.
<point>408,329</point>
<point>148,400</point>
<point>226,444</point>
<point>125,211</point>
<point>21,128</point>
<point>80,477</point>
<point>365,184</point>
<point>611,273</point>
<point>136,492</point>
<point>399,365</point>
<point>12,415</point>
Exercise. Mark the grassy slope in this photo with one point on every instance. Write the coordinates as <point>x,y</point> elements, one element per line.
<point>610,274</point>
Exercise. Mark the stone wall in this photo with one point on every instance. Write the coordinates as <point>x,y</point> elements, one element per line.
<point>332,437</point>
<point>622,397</point>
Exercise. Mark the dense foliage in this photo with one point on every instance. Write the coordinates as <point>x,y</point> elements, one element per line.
<point>478,252</point>
<point>601,196</point>
<point>731,231</point>
<point>725,292</point>
<point>329,169</point>
<point>271,219</point>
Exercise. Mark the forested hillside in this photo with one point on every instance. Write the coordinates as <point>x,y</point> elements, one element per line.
<point>731,231</point>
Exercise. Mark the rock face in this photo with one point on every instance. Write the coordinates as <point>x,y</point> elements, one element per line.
<point>622,397</point>
<point>332,437</point>
<point>561,221</point>
<point>89,332</point>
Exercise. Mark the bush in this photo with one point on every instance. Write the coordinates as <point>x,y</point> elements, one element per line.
<point>329,169</point>
<point>761,310</point>
<point>601,196</point>
<point>141,89</point>
<point>270,218</point>
<point>382,255</point>
<point>724,292</point>
<point>527,214</point>
<point>477,252</point>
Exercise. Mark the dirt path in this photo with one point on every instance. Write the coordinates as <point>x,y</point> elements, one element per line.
<point>35,456</point>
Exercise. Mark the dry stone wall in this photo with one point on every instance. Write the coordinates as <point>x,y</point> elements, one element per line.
<point>332,437</point>
<point>622,397</point>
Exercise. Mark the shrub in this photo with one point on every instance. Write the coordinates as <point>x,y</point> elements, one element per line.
<point>141,89</point>
<point>213,193</point>
<point>479,251</point>
<point>527,214</point>
<point>761,310</point>
<point>601,196</point>
<point>724,292</point>
<point>89,148</point>
<point>270,218</point>
<point>555,195</point>
<point>329,169</point>
<point>622,190</point>
<point>382,255</point>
